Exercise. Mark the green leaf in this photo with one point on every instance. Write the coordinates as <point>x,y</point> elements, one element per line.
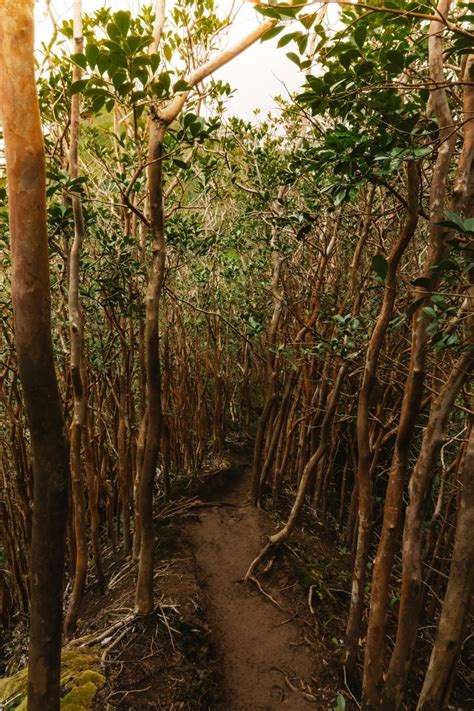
<point>429,311</point>
<point>98,103</point>
<point>113,31</point>
<point>79,59</point>
<point>271,33</point>
<point>103,62</point>
<point>360,35</point>
<point>422,151</point>
<point>422,281</point>
<point>364,68</point>
<point>165,79</point>
<point>167,52</point>
<point>341,703</point>
<point>380,266</point>
<point>181,85</point>
<point>307,20</point>
<point>453,221</point>
<point>447,265</point>
<point>414,306</point>
<point>92,54</point>
<point>286,39</point>
<point>469,225</point>
<point>122,20</point>
<point>293,57</point>
<point>268,12</point>
<point>189,119</point>
<point>396,59</point>
<point>302,43</point>
<point>78,86</point>
<point>285,12</point>
<point>154,62</point>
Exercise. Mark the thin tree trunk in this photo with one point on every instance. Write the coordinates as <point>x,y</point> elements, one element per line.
<point>283,534</point>
<point>438,680</point>
<point>374,651</point>
<point>420,482</point>
<point>364,479</point>
<point>76,331</point>
<point>159,121</point>
<point>154,417</point>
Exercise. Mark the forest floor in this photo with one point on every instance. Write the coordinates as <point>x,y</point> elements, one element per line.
<point>214,642</point>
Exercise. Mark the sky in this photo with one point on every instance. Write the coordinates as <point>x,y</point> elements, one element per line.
<point>258,75</point>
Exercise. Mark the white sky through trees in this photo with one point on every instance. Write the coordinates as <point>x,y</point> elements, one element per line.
<point>257,76</point>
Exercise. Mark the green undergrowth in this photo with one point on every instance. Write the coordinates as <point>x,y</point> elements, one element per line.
<point>80,681</point>
<point>308,575</point>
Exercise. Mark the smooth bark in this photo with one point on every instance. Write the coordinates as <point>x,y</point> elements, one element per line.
<point>25,161</point>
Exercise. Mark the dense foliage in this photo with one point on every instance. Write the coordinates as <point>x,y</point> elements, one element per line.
<point>317,296</point>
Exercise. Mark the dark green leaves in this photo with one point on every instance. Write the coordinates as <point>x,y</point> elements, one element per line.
<point>286,39</point>
<point>181,85</point>
<point>395,59</point>
<point>80,59</point>
<point>455,222</point>
<point>380,266</point>
<point>78,86</point>
<point>424,282</point>
<point>360,35</point>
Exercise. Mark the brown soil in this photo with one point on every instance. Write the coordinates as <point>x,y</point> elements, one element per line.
<point>215,643</point>
<point>263,647</point>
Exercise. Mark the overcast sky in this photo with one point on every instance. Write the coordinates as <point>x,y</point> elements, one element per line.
<point>260,73</point>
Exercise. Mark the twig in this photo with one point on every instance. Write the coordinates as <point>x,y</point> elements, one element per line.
<point>111,646</point>
<point>256,561</point>
<point>168,628</point>
<point>292,687</point>
<point>264,592</point>
<point>349,689</point>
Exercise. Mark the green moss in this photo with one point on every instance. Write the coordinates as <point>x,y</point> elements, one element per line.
<point>307,574</point>
<point>74,659</point>
<point>80,681</point>
<point>80,696</point>
<point>93,677</point>
<point>13,685</point>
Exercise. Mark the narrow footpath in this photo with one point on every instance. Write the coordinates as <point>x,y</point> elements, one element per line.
<point>266,662</point>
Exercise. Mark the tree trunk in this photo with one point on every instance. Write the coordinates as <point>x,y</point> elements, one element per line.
<point>420,482</point>
<point>413,395</point>
<point>153,416</point>
<point>76,330</point>
<point>364,477</point>
<point>438,680</point>
<point>25,162</point>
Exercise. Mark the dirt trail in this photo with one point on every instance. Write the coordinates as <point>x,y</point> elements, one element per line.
<point>258,643</point>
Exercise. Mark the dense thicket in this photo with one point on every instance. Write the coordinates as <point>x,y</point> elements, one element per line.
<point>305,281</point>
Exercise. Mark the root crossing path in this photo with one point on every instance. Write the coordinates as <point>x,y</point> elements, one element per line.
<point>262,648</point>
